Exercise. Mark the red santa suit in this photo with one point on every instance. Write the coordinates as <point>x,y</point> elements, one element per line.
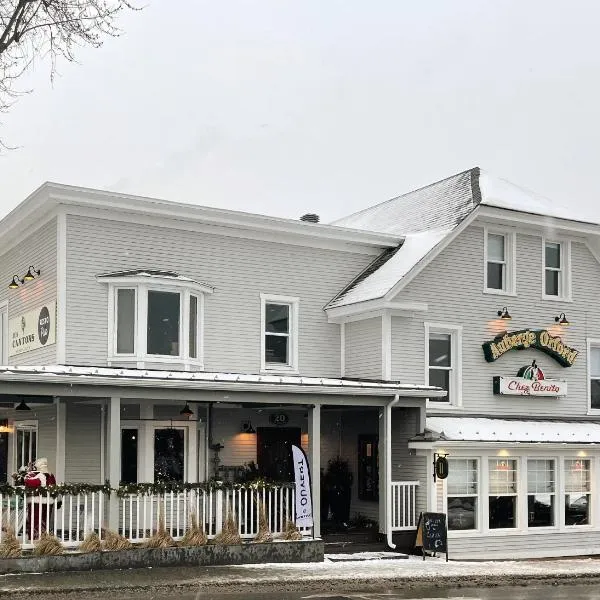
<point>39,507</point>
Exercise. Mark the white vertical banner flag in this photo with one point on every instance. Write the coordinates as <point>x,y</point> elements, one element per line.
<point>304,513</point>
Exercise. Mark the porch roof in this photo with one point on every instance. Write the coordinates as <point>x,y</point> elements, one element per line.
<point>110,376</point>
<point>510,430</point>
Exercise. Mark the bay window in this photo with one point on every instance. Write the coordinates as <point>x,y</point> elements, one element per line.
<point>577,491</point>
<point>502,493</point>
<point>541,482</point>
<point>155,317</point>
<point>463,491</point>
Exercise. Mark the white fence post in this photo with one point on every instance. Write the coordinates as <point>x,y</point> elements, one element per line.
<point>219,512</point>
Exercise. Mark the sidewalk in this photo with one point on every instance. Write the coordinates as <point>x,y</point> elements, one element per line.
<point>329,575</point>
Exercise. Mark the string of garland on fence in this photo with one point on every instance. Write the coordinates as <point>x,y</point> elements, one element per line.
<point>124,490</point>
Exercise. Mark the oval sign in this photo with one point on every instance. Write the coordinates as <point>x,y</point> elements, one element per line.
<point>441,467</point>
<point>279,419</point>
<point>44,325</point>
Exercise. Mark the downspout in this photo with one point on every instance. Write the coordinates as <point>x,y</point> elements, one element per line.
<point>388,470</point>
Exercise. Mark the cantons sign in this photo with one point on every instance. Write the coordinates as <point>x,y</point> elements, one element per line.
<point>520,340</point>
<point>32,330</point>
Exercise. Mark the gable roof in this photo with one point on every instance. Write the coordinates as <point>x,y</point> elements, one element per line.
<point>428,217</point>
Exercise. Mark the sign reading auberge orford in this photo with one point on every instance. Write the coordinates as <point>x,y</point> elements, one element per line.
<point>33,329</point>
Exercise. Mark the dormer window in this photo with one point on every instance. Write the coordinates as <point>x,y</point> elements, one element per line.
<point>155,317</point>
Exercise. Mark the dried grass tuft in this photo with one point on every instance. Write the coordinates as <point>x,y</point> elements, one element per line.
<point>229,535</point>
<point>162,538</point>
<point>114,541</point>
<point>195,535</point>
<point>48,545</point>
<point>291,532</point>
<point>91,543</point>
<point>10,547</point>
<point>264,534</point>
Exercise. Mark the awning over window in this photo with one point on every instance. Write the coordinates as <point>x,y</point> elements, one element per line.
<point>509,430</point>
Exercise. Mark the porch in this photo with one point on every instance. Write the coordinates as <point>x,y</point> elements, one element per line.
<point>225,454</point>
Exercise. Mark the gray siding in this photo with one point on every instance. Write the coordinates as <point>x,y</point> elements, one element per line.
<point>82,443</point>
<point>363,349</point>
<point>240,270</point>
<point>37,249</point>
<point>452,285</point>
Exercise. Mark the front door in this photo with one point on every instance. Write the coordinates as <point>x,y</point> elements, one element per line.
<point>274,452</point>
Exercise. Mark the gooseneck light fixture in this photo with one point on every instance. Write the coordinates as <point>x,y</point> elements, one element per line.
<point>562,320</point>
<point>31,274</point>
<point>15,283</point>
<point>503,314</point>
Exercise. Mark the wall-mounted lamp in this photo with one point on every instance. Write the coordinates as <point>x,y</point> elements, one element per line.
<point>22,406</point>
<point>31,274</point>
<point>186,411</point>
<point>247,427</point>
<point>561,320</point>
<point>503,314</point>
<point>15,283</point>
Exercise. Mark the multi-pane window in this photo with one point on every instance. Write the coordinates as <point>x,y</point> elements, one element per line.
<point>541,488</point>
<point>277,333</point>
<point>497,263</point>
<point>594,359</point>
<point>26,443</point>
<point>577,491</point>
<point>502,499</point>
<point>169,454</point>
<point>441,363</point>
<point>553,279</point>
<point>462,491</point>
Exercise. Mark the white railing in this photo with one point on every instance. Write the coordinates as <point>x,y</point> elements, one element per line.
<point>140,513</point>
<point>68,517</point>
<point>404,505</point>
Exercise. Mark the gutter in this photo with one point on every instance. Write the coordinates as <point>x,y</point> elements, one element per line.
<point>388,470</point>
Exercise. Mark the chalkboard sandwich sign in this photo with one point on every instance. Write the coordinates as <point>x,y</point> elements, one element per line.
<point>432,533</point>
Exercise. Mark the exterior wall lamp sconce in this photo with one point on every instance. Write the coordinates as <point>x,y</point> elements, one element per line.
<point>186,411</point>
<point>562,320</point>
<point>31,274</point>
<point>247,427</point>
<point>503,314</point>
<point>22,406</point>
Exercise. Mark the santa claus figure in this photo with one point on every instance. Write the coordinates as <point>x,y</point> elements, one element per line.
<point>40,507</point>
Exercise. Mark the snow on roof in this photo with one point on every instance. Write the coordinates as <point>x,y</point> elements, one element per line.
<point>154,274</point>
<point>116,376</point>
<point>508,430</point>
<point>380,281</point>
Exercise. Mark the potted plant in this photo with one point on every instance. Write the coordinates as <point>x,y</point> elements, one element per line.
<point>338,483</point>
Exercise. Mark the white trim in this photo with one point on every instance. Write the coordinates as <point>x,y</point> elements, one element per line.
<point>4,332</point>
<point>456,382</point>
<point>510,260</point>
<point>373,308</point>
<point>61,288</point>
<point>565,277</point>
<point>386,345</point>
<point>294,313</point>
<point>61,433</point>
<point>342,349</point>
<point>595,343</point>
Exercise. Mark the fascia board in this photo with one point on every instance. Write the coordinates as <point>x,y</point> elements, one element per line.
<point>371,308</point>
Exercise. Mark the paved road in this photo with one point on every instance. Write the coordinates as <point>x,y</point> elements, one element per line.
<point>532,592</point>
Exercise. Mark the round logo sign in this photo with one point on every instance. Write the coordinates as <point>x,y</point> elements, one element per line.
<point>44,325</point>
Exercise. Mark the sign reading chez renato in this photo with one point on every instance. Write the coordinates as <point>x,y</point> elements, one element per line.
<point>33,329</point>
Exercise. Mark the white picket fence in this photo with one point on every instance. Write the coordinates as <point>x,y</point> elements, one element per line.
<point>71,517</point>
<point>404,505</point>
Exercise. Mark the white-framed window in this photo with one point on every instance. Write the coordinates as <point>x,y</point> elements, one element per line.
<point>577,491</point>
<point>463,494</point>
<point>499,261</point>
<point>26,442</point>
<point>3,334</point>
<point>594,374</point>
<point>443,360</point>
<point>556,261</point>
<point>502,493</point>
<point>155,317</point>
<point>279,333</point>
<point>541,492</point>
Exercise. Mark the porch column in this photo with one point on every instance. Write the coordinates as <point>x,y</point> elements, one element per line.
<point>114,459</point>
<point>385,471</point>
<point>61,423</point>
<point>314,440</point>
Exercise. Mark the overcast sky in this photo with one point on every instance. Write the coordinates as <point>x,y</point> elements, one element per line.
<point>329,106</point>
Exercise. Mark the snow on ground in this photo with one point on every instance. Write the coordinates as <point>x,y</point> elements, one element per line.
<point>415,568</point>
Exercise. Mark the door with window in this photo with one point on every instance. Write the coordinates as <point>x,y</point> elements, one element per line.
<point>274,452</point>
